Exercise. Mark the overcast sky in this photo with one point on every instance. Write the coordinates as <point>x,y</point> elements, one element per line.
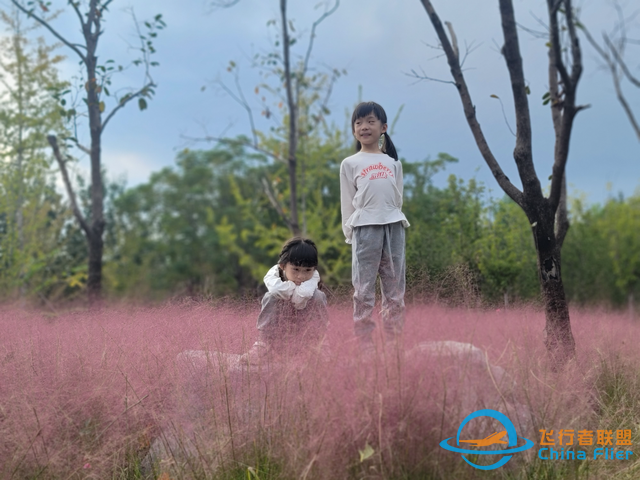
<point>378,42</point>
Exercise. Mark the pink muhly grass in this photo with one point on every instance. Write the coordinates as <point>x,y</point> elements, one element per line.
<point>87,394</point>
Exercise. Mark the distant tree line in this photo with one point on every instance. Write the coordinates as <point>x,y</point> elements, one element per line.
<point>214,223</point>
<point>204,228</point>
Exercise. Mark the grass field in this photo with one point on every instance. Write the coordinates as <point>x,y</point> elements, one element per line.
<point>87,395</point>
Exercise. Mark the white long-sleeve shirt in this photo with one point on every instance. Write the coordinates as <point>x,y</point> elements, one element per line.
<point>299,295</point>
<point>371,191</point>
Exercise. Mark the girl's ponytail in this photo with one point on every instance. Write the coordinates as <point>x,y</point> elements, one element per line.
<point>388,147</point>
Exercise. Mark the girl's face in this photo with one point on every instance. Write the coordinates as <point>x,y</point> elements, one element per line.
<point>297,274</point>
<point>368,130</point>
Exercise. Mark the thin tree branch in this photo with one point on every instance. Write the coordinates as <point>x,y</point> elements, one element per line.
<point>145,51</point>
<point>231,141</point>
<point>612,64</point>
<point>454,40</point>
<point>313,35</point>
<point>78,13</point>
<point>45,24</point>
<point>469,108</point>
<point>504,115</point>
<point>123,102</point>
<point>86,150</point>
<point>623,101</point>
<point>621,61</point>
<point>224,4</point>
<point>242,101</point>
<point>274,202</point>
<point>424,76</point>
<point>53,141</point>
<point>106,4</point>
<point>556,46</point>
<point>569,110</point>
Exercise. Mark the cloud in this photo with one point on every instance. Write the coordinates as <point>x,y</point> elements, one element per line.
<point>135,166</point>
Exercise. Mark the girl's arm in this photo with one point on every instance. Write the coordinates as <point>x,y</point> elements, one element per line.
<point>303,292</point>
<point>276,286</point>
<point>347,193</point>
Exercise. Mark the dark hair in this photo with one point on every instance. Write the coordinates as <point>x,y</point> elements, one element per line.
<point>300,252</point>
<point>365,109</point>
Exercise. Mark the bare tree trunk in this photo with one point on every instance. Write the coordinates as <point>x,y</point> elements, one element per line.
<point>558,338</point>
<point>293,124</point>
<point>95,241</point>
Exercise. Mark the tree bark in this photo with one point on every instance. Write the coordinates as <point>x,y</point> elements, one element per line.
<point>95,241</point>
<point>558,338</point>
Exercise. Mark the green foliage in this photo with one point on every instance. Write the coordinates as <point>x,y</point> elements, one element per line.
<point>31,211</point>
<point>620,223</point>
<point>170,232</point>
<point>602,252</point>
<point>209,227</point>
<point>506,253</point>
<point>445,225</point>
<point>586,265</point>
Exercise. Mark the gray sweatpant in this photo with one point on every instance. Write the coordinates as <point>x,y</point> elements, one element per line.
<point>282,326</point>
<point>378,249</point>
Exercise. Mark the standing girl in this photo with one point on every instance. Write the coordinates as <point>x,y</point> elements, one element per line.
<point>373,222</point>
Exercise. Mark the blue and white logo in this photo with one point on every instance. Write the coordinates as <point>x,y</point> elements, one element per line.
<point>497,437</point>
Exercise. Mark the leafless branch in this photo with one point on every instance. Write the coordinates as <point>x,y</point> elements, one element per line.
<point>523,150</point>
<point>239,97</point>
<point>576,51</point>
<point>534,33</point>
<point>618,58</point>
<point>81,147</point>
<point>469,108</point>
<point>567,104</point>
<point>231,141</point>
<point>74,5</point>
<point>424,76</point>
<point>454,40</point>
<point>556,44</point>
<point>53,141</point>
<point>613,59</point>
<point>623,102</point>
<point>105,5</point>
<point>223,3</point>
<point>312,36</point>
<point>274,202</point>
<point>45,24</point>
<point>504,115</point>
<point>468,50</point>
